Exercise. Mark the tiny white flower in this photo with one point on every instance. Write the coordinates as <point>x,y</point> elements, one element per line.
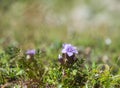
<point>108,41</point>
<point>28,57</point>
<point>96,75</point>
<point>59,57</point>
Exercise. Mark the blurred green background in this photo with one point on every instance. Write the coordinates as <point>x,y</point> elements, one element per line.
<point>39,23</point>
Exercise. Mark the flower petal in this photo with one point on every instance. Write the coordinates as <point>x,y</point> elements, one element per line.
<point>63,51</point>
<point>31,52</point>
<point>59,57</point>
<point>69,54</point>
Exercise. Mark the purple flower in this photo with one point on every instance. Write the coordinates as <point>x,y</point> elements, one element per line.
<point>31,52</point>
<point>69,49</point>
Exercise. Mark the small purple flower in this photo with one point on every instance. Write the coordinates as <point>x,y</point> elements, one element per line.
<point>69,49</point>
<point>31,52</point>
